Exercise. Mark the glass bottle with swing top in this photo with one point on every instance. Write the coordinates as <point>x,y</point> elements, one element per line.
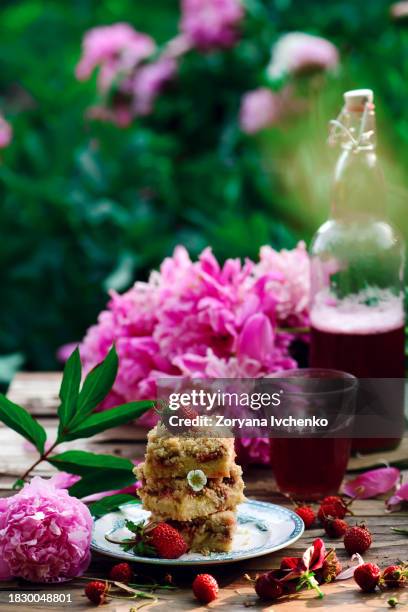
<point>357,260</point>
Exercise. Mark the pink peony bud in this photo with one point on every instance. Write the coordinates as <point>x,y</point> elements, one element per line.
<point>298,53</point>
<point>148,83</point>
<point>45,534</point>
<point>211,24</point>
<point>256,339</point>
<point>260,109</point>
<point>115,48</point>
<point>6,133</point>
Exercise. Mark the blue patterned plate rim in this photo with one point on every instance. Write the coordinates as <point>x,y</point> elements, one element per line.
<point>244,515</point>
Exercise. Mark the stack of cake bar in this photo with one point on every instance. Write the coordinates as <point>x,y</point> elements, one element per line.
<point>205,517</point>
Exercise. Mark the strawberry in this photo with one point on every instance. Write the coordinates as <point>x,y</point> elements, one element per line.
<point>167,541</point>
<point>336,508</point>
<point>268,587</point>
<point>335,528</point>
<point>333,499</point>
<point>394,576</point>
<point>367,576</point>
<point>96,591</point>
<point>122,572</point>
<point>307,514</point>
<point>205,588</point>
<point>357,539</point>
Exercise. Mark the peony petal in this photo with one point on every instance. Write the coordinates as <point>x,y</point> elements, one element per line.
<point>372,483</point>
<point>349,572</point>
<point>63,480</point>
<point>313,557</point>
<point>400,496</point>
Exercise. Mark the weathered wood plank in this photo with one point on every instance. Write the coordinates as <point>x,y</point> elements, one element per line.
<point>39,393</point>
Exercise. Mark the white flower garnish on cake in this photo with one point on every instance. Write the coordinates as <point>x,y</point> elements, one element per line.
<point>196,479</point>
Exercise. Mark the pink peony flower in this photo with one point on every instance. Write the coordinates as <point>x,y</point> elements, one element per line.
<point>6,133</point>
<point>45,534</point>
<point>115,49</point>
<point>298,53</point>
<point>260,109</point>
<point>203,320</point>
<point>149,82</point>
<point>211,24</point>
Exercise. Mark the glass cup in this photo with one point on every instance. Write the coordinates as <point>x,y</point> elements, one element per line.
<point>309,462</point>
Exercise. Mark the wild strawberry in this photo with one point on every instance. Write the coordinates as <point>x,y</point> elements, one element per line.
<point>357,539</point>
<point>394,576</point>
<point>335,528</point>
<point>168,542</point>
<point>333,499</point>
<point>122,572</point>
<point>367,576</point>
<point>307,514</point>
<point>268,587</point>
<point>336,508</point>
<point>205,588</point>
<point>96,591</point>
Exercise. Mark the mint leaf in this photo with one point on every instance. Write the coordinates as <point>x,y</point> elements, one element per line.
<point>97,385</point>
<point>136,528</point>
<point>21,421</point>
<point>111,503</point>
<point>69,390</point>
<point>100,421</point>
<point>82,462</point>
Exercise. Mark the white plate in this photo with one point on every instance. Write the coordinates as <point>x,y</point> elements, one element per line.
<point>262,528</point>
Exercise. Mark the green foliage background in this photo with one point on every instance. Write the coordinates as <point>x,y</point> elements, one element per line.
<point>85,206</point>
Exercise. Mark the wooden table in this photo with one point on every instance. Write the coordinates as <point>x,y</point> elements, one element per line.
<point>38,392</point>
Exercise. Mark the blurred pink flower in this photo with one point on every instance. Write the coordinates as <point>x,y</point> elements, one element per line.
<point>148,83</point>
<point>6,133</point>
<point>202,320</point>
<point>297,53</point>
<point>260,109</point>
<point>115,49</point>
<point>211,24</point>
<point>45,534</point>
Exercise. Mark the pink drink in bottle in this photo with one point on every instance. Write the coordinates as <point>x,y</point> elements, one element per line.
<point>357,313</point>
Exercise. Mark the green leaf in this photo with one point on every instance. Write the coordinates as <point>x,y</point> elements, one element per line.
<point>400,530</point>
<point>82,463</point>
<point>100,421</point>
<point>110,503</point>
<point>96,386</point>
<point>69,390</point>
<point>136,528</point>
<point>102,480</point>
<point>22,422</point>
<point>18,484</point>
